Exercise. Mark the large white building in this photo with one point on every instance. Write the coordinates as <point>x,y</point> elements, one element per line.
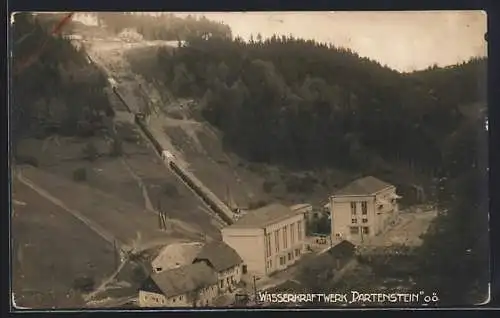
<point>268,239</point>
<point>363,209</point>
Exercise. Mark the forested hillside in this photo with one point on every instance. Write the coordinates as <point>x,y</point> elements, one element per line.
<point>59,92</point>
<point>292,102</point>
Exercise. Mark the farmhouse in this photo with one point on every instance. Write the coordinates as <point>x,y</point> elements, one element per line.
<point>363,209</point>
<point>193,285</point>
<point>176,255</point>
<point>268,239</point>
<point>224,261</point>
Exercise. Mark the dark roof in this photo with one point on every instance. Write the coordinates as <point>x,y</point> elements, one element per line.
<point>264,216</point>
<point>181,280</point>
<point>220,256</point>
<point>364,186</point>
<point>343,249</point>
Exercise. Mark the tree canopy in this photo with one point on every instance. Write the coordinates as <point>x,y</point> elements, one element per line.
<point>60,92</point>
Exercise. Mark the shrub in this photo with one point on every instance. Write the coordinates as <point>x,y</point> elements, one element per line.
<point>116,148</point>
<point>90,152</point>
<point>138,274</point>
<point>84,283</point>
<point>268,186</point>
<point>27,160</point>
<point>80,174</point>
<point>170,190</point>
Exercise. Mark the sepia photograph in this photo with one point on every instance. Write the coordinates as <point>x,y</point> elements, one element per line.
<point>333,159</point>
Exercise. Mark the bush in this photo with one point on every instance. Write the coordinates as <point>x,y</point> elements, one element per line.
<point>296,184</point>
<point>27,160</point>
<point>170,190</point>
<point>90,152</point>
<point>138,274</point>
<point>80,175</point>
<point>268,186</point>
<point>84,283</point>
<point>116,148</point>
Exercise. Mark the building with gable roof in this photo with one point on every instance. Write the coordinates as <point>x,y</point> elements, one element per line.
<point>192,285</point>
<point>268,239</point>
<point>362,209</point>
<point>225,261</point>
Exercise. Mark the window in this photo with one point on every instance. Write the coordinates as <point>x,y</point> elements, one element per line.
<point>292,234</point>
<point>297,252</point>
<point>299,230</point>
<point>354,221</point>
<point>268,245</point>
<point>221,283</point>
<point>353,208</point>
<point>282,260</point>
<point>290,256</point>
<point>285,237</point>
<point>366,230</point>
<point>277,240</point>
<point>364,208</point>
<point>365,220</point>
<point>354,230</point>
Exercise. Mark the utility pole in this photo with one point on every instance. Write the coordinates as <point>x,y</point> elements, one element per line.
<point>115,254</point>
<point>255,288</point>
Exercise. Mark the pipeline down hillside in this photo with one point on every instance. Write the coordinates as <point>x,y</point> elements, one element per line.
<point>212,201</point>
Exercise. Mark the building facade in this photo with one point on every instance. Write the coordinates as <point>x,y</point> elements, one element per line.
<point>363,209</point>
<point>225,261</point>
<point>193,285</point>
<point>268,239</point>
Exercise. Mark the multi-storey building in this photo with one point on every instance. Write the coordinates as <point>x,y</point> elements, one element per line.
<point>268,239</point>
<point>363,209</point>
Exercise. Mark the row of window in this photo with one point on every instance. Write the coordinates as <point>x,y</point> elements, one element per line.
<point>284,233</point>
<point>282,259</point>
<point>229,281</point>
<point>355,221</point>
<point>364,208</point>
<point>355,230</point>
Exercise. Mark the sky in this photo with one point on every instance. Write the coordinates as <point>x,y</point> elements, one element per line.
<point>404,41</point>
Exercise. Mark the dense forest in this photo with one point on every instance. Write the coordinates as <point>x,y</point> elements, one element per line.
<point>57,91</point>
<point>302,104</point>
<point>167,26</point>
